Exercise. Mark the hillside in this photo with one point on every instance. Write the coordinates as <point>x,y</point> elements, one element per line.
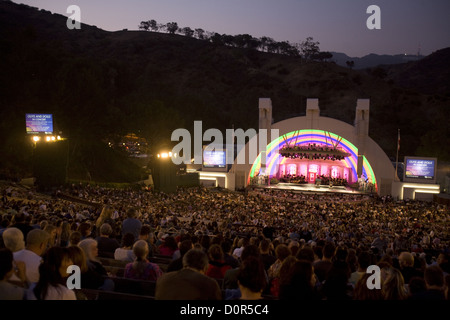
<point>430,75</point>
<point>100,85</point>
<point>373,60</point>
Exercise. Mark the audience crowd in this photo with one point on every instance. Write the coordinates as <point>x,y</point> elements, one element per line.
<point>258,244</point>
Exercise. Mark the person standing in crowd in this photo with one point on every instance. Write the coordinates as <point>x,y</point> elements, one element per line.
<point>132,224</point>
<point>189,283</point>
<point>104,217</point>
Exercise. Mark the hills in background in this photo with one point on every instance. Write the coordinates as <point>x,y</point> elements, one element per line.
<point>101,85</point>
<point>373,60</point>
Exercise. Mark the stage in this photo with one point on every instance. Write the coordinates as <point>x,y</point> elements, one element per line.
<point>311,188</point>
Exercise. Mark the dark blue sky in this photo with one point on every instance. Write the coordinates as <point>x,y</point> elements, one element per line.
<point>339,25</point>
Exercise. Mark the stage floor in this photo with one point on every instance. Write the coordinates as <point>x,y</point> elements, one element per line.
<point>309,187</point>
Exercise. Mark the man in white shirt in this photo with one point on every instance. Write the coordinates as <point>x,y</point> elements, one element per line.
<point>36,245</point>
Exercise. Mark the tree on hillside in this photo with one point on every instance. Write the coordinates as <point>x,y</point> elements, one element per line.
<point>199,33</point>
<point>172,27</point>
<point>309,48</point>
<point>153,25</point>
<point>322,56</point>
<point>162,27</point>
<point>144,25</point>
<point>188,32</point>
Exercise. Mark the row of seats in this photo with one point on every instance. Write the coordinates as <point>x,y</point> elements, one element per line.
<point>92,294</point>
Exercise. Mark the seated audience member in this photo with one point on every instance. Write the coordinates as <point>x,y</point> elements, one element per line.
<point>416,286</point>
<point>435,285</point>
<point>36,245</point>
<point>282,251</point>
<point>406,263</point>
<point>147,235</point>
<point>8,290</point>
<point>79,259</point>
<point>323,266</point>
<point>217,265</point>
<point>13,239</point>
<point>168,246</point>
<point>393,285</point>
<point>125,253</point>
<point>141,268</point>
<point>52,284</point>
<point>251,279</point>
<point>189,283</point>
<point>226,245</point>
<point>85,228</point>
<point>74,238</point>
<point>19,221</point>
<point>177,264</point>
<point>106,245</point>
<point>362,291</point>
<point>363,262</point>
<point>267,258</point>
<point>230,279</point>
<point>299,282</point>
<point>95,267</point>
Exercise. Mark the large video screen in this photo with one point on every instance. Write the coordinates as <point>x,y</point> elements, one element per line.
<point>420,169</point>
<point>214,158</point>
<point>39,123</point>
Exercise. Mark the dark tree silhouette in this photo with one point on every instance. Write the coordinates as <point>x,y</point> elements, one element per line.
<point>172,27</point>
<point>309,48</point>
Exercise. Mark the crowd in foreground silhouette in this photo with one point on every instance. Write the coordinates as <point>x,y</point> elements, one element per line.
<point>221,245</point>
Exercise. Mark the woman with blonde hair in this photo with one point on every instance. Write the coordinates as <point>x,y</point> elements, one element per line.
<point>105,216</point>
<point>79,259</point>
<point>97,274</point>
<point>393,286</point>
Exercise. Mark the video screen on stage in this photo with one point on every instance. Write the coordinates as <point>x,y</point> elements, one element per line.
<point>214,158</point>
<point>420,169</point>
<point>39,123</point>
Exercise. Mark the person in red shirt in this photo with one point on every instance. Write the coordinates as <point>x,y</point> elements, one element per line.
<point>217,265</point>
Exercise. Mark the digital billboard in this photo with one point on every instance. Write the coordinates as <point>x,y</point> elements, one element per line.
<point>420,169</point>
<point>214,158</point>
<point>37,123</point>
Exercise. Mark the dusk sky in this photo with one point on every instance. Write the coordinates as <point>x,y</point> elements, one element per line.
<point>338,25</point>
